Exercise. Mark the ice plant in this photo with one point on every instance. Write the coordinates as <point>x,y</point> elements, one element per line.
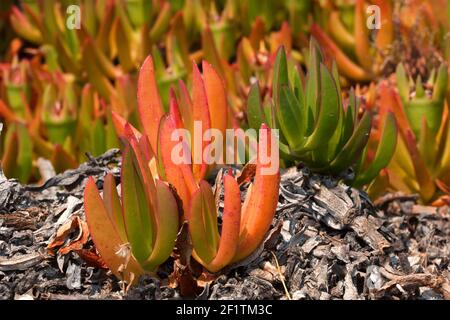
<point>423,104</point>
<point>144,218</point>
<point>421,163</point>
<point>17,153</point>
<point>208,106</point>
<point>61,127</point>
<point>241,234</point>
<point>105,31</point>
<point>315,127</point>
<point>243,226</point>
<point>346,35</point>
<point>59,112</point>
<point>16,82</point>
<point>255,55</point>
<point>95,130</point>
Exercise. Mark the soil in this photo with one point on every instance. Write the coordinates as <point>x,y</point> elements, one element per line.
<point>328,241</point>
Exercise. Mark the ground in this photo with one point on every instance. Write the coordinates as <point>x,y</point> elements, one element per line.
<point>328,241</point>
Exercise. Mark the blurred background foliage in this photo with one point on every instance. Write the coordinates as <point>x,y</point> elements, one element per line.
<point>59,86</point>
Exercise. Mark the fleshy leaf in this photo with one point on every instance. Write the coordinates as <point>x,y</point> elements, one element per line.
<point>137,210</point>
<point>260,210</point>
<point>229,238</point>
<point>197,228</point>
<point>216,97</point>
<point>352,150</point>
<point>289,117</point>
<point>113,206</point>
<point>169,170</point>
<point>329,111</point>
<point>384,153</point>
<point>166,226</point>
<point>280,75</point>
<point>201,117</point>
<point>255,114</point>
<point>105,237</point>
<point>149,102</point>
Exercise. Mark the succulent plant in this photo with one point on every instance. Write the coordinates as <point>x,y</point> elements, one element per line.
<point>17,153</point>
<point>243,226</point>
<point>136,232</point>
<point>209,107</point>
<point>315,127</point>
<point>61,127</point>
<point>421,161</point>
<point>346,38</point>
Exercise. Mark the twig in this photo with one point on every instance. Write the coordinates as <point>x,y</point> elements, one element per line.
<point>281,276</point>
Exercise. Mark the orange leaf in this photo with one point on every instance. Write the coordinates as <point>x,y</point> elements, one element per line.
<point>119,124</point>
<point>105,237</point>
<point>172,172</point>
<point>186,107</point>
<point>92,258</point>
<point>362,46</point>
<point>347,66</point>
<point>261,206</point>
<point>229,238</point>
<point>149,102</point>
<point>202,117</point>
<point>113,206</point>
<point>216,96</point>
<point>80,240</point>
<point>6,113</point>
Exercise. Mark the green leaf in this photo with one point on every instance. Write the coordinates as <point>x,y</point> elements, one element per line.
<point>402,82</point>
<point>269,114</point>
<point>111,136</point>
<point>426,144</point>
<point>440,87</point>
<point>139,11</point>
<point>313,83</point>
<point>210,215</point>
<point>98,138</point>
<point>329,111</point>
<point>385,151</point>
<point>420,91</point>
<point>197,228</point>
<point>255,115</point>
<point>17,157</point>
<point>106,239</point>
<point>113,207</point>
<point>353,149</point>
<point>289,118</point>
<point>424,108</point>
<point>348,125</point>
<point>136,209</point>
<point>167,226</point>
<point>298,87</point>
<point>280,75</point>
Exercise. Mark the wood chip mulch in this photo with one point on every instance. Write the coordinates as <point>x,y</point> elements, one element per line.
<point>328,241</point>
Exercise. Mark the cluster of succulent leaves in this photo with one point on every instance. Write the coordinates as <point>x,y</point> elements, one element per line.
<point>141,27</point>
<point>47,115</point>
<point>314,126</point>
<point>421,163</point>
<point>363,53</point>
<point>347,38</point>
<point>147,215</point>
<point>186,30</point>
<point>89,60</point>
<point>86,88</point>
